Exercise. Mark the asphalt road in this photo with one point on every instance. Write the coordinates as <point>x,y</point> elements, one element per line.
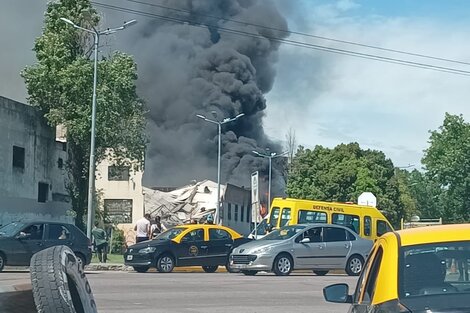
<point>217,292</point>
<point>201,292</point>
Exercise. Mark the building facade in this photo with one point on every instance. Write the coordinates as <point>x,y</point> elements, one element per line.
<point>120,193</point>
<point>32,166</point>
<point>236,209</point>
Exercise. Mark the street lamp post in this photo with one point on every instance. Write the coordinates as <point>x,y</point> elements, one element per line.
<point>270,156</point>
<point>91,177</point>
<point>219,126</point>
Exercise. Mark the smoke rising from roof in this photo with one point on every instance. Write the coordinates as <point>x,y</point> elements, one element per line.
<point>186,70</point>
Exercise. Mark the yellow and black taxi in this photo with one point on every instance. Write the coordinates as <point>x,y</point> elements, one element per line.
<point>203,245</point>
<point>414,270</point>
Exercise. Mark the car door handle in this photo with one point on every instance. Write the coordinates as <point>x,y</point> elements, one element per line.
<point>346,246</point>
<point>203,247</point>
<point>39,244</point>
<point>320,247</point>
<point>228,244</point>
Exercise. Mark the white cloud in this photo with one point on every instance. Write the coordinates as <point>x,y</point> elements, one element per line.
<point>330,99</point>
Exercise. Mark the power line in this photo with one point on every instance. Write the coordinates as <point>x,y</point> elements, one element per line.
<point>301,33</point>
<point>290,42</point>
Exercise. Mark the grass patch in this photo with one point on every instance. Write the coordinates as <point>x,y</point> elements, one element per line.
<point>112,258</point>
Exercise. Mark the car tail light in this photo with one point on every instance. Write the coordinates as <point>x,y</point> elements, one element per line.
<point>393,306</point>
<point>90,245</point>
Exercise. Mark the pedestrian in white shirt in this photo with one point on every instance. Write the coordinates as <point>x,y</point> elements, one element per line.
<point>142,228</point>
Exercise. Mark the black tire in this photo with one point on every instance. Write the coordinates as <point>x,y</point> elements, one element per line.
<point>3,260</point>
<point>210,269</point>
<point>354,265</point>
<point>231,269</point>
<point>59,284</point>
<point>250,273</point>
<point>283,265</point>
<point>141,269</point>
<point>320,273</point>
<point>165,263</point>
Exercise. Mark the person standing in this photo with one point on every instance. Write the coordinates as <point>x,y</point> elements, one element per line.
<point>101,242</point>
<point>142,228</point>
<point>157,227</point>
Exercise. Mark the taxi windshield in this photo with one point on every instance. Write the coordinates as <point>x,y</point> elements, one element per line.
<point>11,229</point>
<point>170,233</point>
<point>433,274</point>
<point>283,233</point>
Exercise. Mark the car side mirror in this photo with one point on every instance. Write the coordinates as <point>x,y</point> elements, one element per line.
<point>23,235</point>
<point>305,240</point>
<point>337,293</point>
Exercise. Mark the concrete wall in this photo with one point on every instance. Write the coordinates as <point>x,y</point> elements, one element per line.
<point>130,189</point>
<point>23,126</point>
<point>237,199</point>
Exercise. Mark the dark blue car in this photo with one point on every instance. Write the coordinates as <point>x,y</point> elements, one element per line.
<point>20,240</point>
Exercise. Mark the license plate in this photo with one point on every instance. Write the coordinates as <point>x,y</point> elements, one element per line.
<point>129,257</point>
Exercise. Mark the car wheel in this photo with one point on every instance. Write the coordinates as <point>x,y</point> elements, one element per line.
<point>283,265</point>
<point>210,269</point>
<point>231,269</point>
<point>165,263</point>
<point>58,284</point>
<point>320,273</point>
<point>250,273</point>
<point>141,269</point>
<point>354,265</point>
<point>2,261</point>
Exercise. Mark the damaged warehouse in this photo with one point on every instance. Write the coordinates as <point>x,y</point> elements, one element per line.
<point>193,203</point>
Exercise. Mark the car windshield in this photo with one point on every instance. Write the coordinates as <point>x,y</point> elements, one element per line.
<point>433,274</point>
<point>11,229</point>
<point>170,233</point>
<point>261,228</point>
<point>283,233</point>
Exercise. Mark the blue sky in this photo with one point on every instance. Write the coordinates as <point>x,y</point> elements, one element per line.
<point>329,99</point>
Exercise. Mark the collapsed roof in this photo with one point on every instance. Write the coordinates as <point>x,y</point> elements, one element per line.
<point>182,205</point>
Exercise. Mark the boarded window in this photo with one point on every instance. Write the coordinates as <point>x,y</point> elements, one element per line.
<point>229,211</point>
<point>18,157</point>
<point>60,163</point>
<point>43,192</point>
<point>118,173</point>
<point>118,210</point>
<point>236,212</point>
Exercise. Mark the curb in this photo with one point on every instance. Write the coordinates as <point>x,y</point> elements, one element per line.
<point>124,268</point>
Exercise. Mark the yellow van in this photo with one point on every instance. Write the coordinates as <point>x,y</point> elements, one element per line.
<point>366,221</point>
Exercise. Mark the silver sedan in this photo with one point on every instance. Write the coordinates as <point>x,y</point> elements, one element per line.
<point>318,247</point>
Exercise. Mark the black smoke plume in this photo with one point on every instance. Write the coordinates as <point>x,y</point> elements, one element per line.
<point>186,69</point>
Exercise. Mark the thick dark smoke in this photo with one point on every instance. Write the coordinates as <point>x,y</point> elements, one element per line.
<point>187,70</point>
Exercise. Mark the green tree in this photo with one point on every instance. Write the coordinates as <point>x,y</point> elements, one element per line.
<point>447,161</point>
<point>343,173</point>
<point>60,84</point>
<point>427,195</point>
